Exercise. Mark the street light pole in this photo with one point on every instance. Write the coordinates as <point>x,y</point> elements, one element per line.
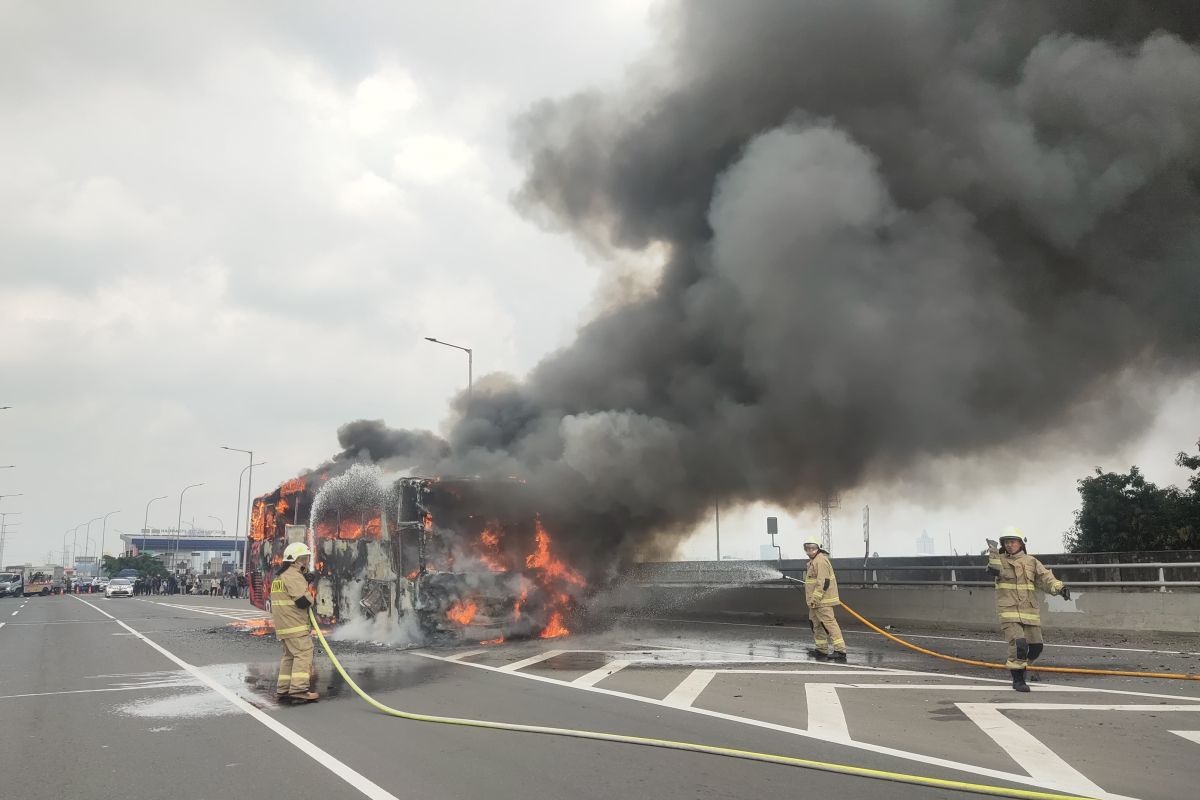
<point>179,522</point>
<point>249,494</point>
<point>88,534</point>
<point>237,519</point>
<point>103,530</point>
<point>74,539</point>
<point>146,519</point>
<point>470,362</point>
<point>4,515</point>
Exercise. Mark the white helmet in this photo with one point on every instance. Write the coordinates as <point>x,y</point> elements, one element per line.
<point>812,540</point>
<point>295,550</point>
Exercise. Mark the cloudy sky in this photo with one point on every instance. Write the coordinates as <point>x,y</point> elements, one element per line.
<point>233,224</point>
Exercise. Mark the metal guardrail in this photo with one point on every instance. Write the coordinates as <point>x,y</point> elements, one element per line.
<point>731,575</point>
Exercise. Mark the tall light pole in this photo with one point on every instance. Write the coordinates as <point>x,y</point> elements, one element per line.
<point>88,533</point>
<point>74,539</point>
<point>179,522</point>
<point>237,519</point>
<point>64,547</point>
<point>249,495</point>
<point>146,519</point>
<point>470,361</point>
<point>4,515</point>
<point>103,530</point>
<point>218,519</point>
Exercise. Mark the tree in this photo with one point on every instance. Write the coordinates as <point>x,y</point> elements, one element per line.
<point>1124,513</point>
<point>145,564</point>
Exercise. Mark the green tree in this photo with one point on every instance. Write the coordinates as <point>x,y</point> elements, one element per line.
<point>1126,512</point>
<point>145,564</point>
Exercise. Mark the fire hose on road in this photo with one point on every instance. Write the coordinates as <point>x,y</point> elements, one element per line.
<point>1177,676</point>
<point>769,758</point>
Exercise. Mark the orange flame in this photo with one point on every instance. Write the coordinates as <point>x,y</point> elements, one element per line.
<point>294,486</point>
<point>540,559</point>
<point>427,521</point>
<point>489,549</point>
<point>254,627</point>
<point>282,506</point>
<point>497,640</point>
<point>463,612</point>
<point>554,628</point>
<point>412,576</point>
<point>519,602</point>
<point>256,522</point>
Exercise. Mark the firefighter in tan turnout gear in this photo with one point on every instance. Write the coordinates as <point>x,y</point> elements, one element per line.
<point>290,601</point>
<point>1018,577</point>
<point>821,594</point>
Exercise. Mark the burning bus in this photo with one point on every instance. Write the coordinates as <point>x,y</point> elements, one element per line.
<point>462,559</point>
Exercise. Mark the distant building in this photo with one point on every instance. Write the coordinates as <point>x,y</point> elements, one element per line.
<point>924,544</point>
<point>195,550</point>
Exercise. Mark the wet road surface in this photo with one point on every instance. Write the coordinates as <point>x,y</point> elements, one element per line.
<point>93,710</point>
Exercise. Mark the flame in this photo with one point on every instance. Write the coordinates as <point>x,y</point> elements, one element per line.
<point>427,521</point>
<point>294,486</point>
<point>489,549</point>
<point>254,627</point>
<point>519,602</point>
<point>463,612</point>
<point>540,559</point>
<point>256,521</point>
<point>412,576</point>
<point>497,640</point>
<point>282,506</point>
<point>324,530</point>
<point>554,628</point>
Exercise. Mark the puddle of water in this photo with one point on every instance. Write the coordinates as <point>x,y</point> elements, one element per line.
<point>200,704</point>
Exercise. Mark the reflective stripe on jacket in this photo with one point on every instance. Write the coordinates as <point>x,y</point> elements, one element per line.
<point>1017,584</point>
<point>820,584</point>
<point>290,621</point>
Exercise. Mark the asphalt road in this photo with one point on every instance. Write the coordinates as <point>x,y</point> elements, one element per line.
<point>91,709</point>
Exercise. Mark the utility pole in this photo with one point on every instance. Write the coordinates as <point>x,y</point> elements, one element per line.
<point>4,515</point>
<point>866,533</point>
<point>829,502</point>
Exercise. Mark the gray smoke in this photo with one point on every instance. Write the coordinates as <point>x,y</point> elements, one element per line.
<point>895,231</point>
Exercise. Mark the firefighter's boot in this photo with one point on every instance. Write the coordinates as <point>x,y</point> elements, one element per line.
<point>1018,676</point>
<point>304,697</point>
<point>819,655</point>
<point>839,656</point>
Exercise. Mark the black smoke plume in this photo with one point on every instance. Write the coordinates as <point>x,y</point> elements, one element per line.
<point>893,232</point>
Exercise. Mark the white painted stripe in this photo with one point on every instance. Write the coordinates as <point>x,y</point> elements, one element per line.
<point>163,685</point>
<point>66,622</point>
<point>970,769</point>
<point>1192,736</point>
<point>926,636</point>
<point>826,718</point>
<point>13,614</point>
<point>683,695</point>
<point>1024,748</point>
<point>464,654</point>
<point>883,672</point>
<point>345,772</point>
<point>597,675</point>
<point>208,613</point>
<point>2,624</point>
<point>526,662</point>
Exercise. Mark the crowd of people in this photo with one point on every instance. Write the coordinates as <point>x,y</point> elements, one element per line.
<point>232,585</point>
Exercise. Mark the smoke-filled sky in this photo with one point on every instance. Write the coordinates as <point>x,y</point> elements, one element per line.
<point>940,257</point>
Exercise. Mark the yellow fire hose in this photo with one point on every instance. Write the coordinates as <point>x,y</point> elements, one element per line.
<point>769,758</point>
<point>1178,676</point>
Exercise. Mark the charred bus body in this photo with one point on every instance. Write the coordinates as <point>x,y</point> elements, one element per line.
<point>463,559</point>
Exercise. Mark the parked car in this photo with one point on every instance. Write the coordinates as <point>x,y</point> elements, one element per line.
<point>99,584</point>
<point>11,584</point>
<point>119,587</point>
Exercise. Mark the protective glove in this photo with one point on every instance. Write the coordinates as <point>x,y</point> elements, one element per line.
<point>1064,593</point>
<point>815,600</point>
<point>311,577</point>
<point>993,546</point>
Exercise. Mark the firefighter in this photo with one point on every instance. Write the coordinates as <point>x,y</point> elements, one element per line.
<point>1018,575</point>
<point>290,601</point>
<point>821,594</point>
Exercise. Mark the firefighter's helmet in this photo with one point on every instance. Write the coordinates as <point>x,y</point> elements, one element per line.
<point>812,540</point>
<point>1012,532</point>
<point>296,550</point>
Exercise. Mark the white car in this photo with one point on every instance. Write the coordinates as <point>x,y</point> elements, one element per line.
<point>119,587</point>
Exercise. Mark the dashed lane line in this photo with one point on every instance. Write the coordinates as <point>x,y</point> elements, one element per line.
<point>359,781</point>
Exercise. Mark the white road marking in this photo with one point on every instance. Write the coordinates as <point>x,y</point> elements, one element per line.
<point>66,622</point>
<point>527,662</point>
<point>883,671</point>
<point>683,695</point>
<point>360,782</point>
<point>13,614</point>
<point>464,654</point>
<point>927,636</point>
<point>163,685</point>
<point>259,615</point>
<point>826,718</point>
<point>1028,751</point>
<point>1193,736</point>
<point>921,758</point>
<point>597,675</point>
<point>2,624</point>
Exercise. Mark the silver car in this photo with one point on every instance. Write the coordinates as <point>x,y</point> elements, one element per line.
<point>119,587</point>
